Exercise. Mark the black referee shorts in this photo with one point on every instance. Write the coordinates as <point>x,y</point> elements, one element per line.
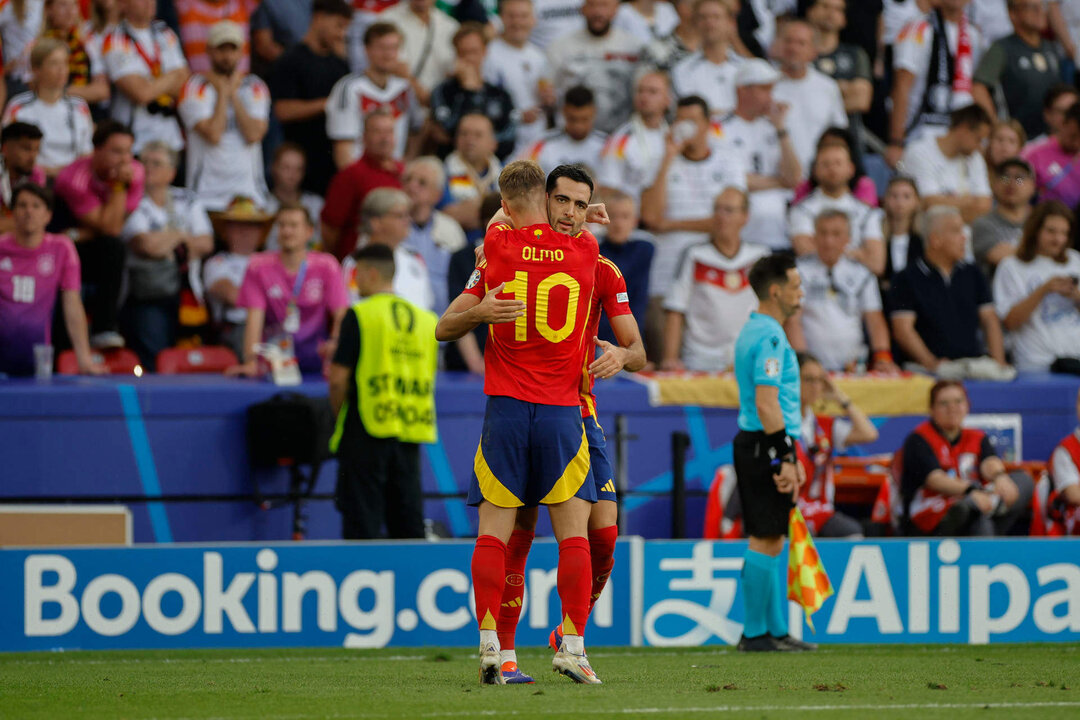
<point>765,509</point>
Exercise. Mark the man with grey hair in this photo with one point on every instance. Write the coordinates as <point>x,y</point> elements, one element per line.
<point>385,220</point>
<point>433,234</point>
<point>940,302</point>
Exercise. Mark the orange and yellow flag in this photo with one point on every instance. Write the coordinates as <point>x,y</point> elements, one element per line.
<point>807,582</point>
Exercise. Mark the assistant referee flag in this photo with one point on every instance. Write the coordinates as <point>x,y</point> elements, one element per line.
<point>808,584</point>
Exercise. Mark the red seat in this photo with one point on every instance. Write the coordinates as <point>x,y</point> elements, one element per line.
<point>120,361</point>
<point>209,359</point>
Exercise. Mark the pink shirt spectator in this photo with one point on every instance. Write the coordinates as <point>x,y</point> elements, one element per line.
<point>1057,174</point>
<point>83,191</point>
<point>269,286</point>
<point>30,281</point>
<point>865,190</point>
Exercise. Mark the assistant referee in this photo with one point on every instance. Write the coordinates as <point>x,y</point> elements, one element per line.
<point>767,470</point>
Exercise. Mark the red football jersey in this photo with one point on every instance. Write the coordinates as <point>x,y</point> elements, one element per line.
<point>611,297</point>
<point>537,358</point>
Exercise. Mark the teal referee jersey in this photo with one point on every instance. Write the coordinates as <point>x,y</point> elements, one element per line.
<point>763,356</point>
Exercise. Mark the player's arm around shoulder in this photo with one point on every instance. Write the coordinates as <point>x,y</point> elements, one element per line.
<point>471,309</point>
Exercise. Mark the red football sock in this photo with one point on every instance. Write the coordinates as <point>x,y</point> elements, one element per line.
<point>602,551</point>
<point>575,569</point>
<point>488,573</point>
<point>517,551</point>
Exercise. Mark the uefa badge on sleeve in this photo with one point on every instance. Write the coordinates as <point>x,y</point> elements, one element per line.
<point>772,367</point>
<point>473,279</point>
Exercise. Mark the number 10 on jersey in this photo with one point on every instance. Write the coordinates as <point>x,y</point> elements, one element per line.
<point>519,288</point>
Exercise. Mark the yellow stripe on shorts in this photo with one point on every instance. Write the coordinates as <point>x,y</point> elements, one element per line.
<point>493,491</point>
<point>573,476</point>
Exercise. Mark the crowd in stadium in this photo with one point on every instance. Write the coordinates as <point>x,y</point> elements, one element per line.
<point>200,171</point>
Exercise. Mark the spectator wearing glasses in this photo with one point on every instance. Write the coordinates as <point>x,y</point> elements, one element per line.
<point>994,236</point>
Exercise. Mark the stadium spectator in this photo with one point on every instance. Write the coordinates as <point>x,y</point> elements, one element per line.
<point>1063,504</point>
<point>1064,21</point>
<point>1056,161</point>
<point>1007,140</point>
<point>951,480</point>
<point>939,303</point>
<point>833,170</point>
<point>578,141</point>
<point>1036,293</point>
<point>646,19</point>
<point>467,352</point>
<point>19,146</point>
<point>300,84</point>
<point>147,68</point>
<point>354,96</point>
<point>295,292</point>
<point>104,16</point>
<point>710,72</point>
<point>63,119</point>
<point>861,185</point>
<point>20,24</point>
<point>934,59</point>
<point>466,91</point>
<point>994,236</point>
<point>37,267</point>
<point>243,227</point>
<point>376,168</point>
<point>378,455</point>
<point>949,169</point>
<point>815,96</point>
<point>679,205</point>
<point>197,18</point>
<point>822,436</point>
<point>385,220</point>
<point>632,153</point>
<point>427,48</point>
<point>287,170</point>
<point>711,298</point>
<point>521,68</point>
<point>168,228</point>
<point>600,57</point>
<point>664,53</point>
<point>904,245</point>
<point>276,25</point>
<point>226,114</point>
<point>1021,67</point>
<point>99,192</point>
<point>844,62</point>
<point>86,70</point>
<point>842,299</point>
<point>555,18</point>
<point>630,248</point>
<point>433,235</point>
<point>1056,101</point>
<point>472,171</point>
<point>758,131</point>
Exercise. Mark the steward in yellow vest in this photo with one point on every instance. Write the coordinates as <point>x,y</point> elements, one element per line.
<point>382,387</point>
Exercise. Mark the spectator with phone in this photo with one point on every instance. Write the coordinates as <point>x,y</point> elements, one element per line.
<point>1036,294</point>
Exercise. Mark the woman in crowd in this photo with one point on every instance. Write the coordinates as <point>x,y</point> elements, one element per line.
<point>1006,141</point>
<point>821,436</point>
<point>903,244</point>
<point>951,480</point>
<point>86,70</point>
<point>862,187</point>
<point>1036,293</point>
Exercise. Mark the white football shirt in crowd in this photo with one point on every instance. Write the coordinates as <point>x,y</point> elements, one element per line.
<point>226,266</point>
<point>715,84</point>
<point>1053,330</point>
<point>936,174</point>
<point>557,148</point>
<point>427,48</point>
<point>519,71</point>
<point>354,96</point>
<point>631,157</point>
<point>660,25</point>
<point>864,220</point>
<point>18,37</point>
<point>816,105</point>
<point>758,145</point>
<point>555,18</point>
<point>66,126</point>
<point>233,166</point>
<point>833,308</point>
<point>605,65</point>
<point>713,293</point>
<point>410,278</point>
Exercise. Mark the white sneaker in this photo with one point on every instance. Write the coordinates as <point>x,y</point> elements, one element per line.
<point>575,667</point>
<point>491,665</point>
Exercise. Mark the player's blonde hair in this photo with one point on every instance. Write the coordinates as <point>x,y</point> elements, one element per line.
<point>522,184</point>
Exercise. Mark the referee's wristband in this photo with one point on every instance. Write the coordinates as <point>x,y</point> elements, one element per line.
<point>781,448</point>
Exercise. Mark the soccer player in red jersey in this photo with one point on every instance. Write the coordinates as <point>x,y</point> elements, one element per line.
<point>610,297</point>
<point>533,449</point>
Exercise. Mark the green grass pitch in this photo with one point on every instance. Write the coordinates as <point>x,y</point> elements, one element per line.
<point>954,682</point>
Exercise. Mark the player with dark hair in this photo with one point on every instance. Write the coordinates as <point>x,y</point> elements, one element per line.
<point>534,449</point>
<point>766,467</point>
